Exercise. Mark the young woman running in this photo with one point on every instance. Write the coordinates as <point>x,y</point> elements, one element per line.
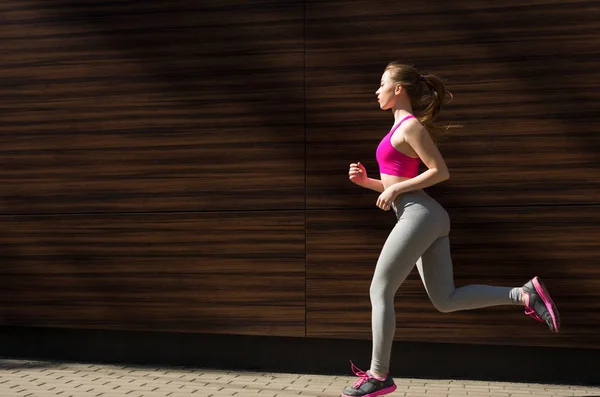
<point>421,234</point>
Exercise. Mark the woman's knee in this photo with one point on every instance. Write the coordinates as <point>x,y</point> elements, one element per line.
<point>380,294</point>
<point>375,293</point>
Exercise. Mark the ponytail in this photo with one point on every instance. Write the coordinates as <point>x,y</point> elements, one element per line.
<point>433,100</point>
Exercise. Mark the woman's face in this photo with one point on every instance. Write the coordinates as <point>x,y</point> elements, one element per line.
<point>386,94</point>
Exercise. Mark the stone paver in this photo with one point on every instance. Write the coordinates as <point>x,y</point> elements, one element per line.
<point>26,378</point>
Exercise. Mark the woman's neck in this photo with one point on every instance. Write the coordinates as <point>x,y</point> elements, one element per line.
<point>399,114</point>
<point>401,108</point>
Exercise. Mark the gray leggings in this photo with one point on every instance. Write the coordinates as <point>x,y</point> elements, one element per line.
<point>421,236</point>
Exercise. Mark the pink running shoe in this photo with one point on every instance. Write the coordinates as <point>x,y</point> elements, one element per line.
<point>367,385</point>
<point>540,305</point>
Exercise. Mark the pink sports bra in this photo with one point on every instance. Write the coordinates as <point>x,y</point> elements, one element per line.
<point>391,161</point>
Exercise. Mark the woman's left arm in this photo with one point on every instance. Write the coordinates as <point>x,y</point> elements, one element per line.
<point>419,139</point>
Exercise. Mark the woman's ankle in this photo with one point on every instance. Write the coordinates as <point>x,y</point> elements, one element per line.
<point>377,375</point>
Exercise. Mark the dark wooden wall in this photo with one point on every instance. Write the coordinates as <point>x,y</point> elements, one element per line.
<point>153,157</point>
<point>181,166</point>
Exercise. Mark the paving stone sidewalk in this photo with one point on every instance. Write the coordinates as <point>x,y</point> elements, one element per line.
<point>26,378</point>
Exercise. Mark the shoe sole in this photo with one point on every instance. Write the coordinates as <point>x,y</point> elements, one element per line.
<point>543,292</point>
<point>375,393</point>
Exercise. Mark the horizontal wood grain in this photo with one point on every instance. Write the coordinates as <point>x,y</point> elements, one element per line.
<point>237,273</point>
<point>494,246</point>
<point>151,106</point>
<point>525,90</point>
<point>182,166</point>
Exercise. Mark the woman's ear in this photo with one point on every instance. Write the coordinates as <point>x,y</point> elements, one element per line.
<point>398,89</point>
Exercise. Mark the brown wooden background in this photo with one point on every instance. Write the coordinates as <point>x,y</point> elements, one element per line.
<point>181,166</point>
